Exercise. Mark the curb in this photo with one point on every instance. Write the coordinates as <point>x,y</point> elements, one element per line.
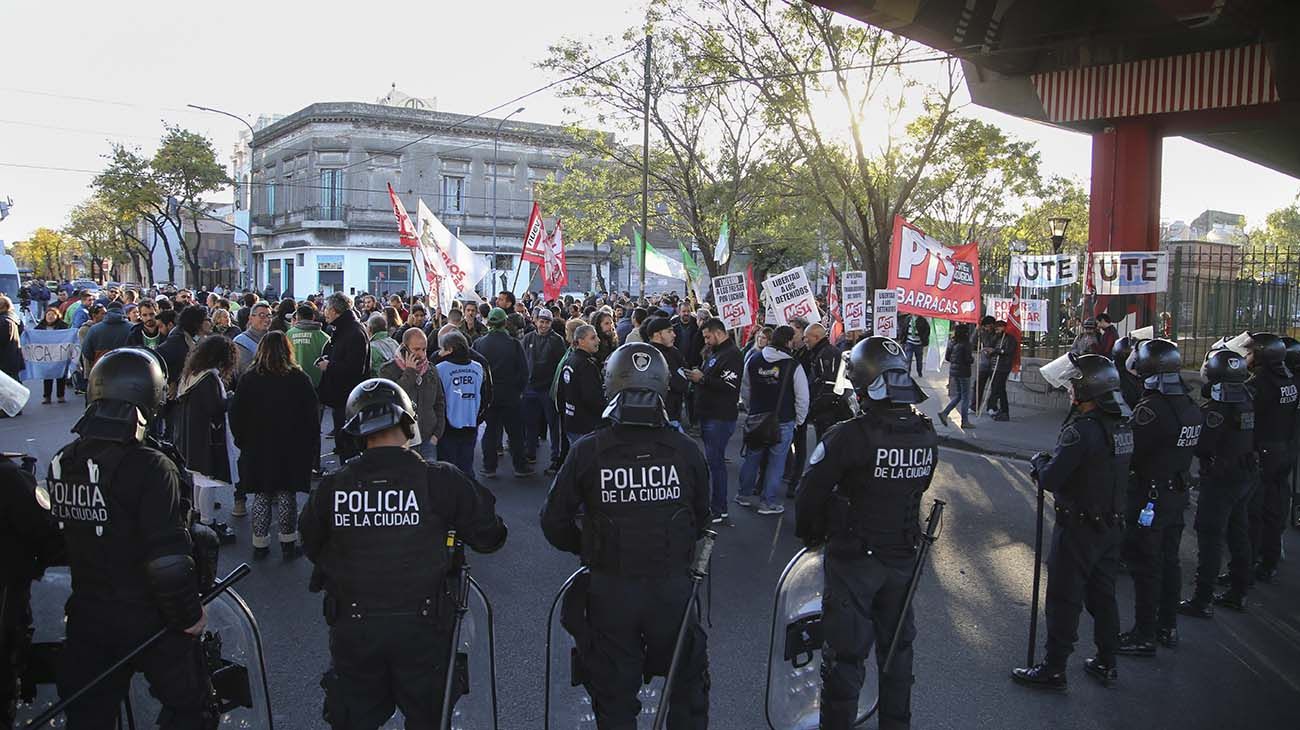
<point>961,444</point>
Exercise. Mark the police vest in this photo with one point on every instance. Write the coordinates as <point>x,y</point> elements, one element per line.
<point>1275,407</point>
<point>387,547</point>
<point>1234,449</point>
<point>1099,489</point>
<point>1176,423</point>
<point>99,515</point>
<point>639,521</point>
<point>901,452</point>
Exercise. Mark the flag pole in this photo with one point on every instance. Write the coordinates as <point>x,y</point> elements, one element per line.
<point>645,163</point>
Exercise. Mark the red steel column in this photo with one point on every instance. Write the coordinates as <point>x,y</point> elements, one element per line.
<point>1124,209</point>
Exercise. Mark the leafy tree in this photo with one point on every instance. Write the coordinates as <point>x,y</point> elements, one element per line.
<point>94,225</point>
<point>185,169</point>
<point>129,188</point>
<point>47,252</point>
<point>1274,248</point>
<point>1058,196</point>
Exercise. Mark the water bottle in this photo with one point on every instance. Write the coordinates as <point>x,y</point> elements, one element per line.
<point>1148,515</point>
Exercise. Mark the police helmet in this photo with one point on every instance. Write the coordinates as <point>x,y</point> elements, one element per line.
<point>1292,353</point>
<point>1267,348</point>
<point>636,366</point>
<point>378,404</point>
<point>130,375</point>
<point>1121,350</point>
<point>1155,357</point>
<point>1226,373</point>
<point>878,369</point>
<point>1096,379</point>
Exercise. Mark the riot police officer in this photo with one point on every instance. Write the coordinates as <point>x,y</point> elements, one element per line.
<point>1229,470</point>
<point>861,496</point>
<point>1130,387</point>
<point>29,542</point>
<point>644,490</point>
<point>376,530</point>
<point>1290,496</point>
<point>1166,427</point>
<point>125,518</point>
<point>1273,391</point>
<point>1088,474</point>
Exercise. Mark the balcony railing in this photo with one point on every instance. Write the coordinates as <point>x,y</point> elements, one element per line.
<point>325,213</point>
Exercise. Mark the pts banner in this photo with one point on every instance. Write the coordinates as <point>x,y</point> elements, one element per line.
<point>931,279</point>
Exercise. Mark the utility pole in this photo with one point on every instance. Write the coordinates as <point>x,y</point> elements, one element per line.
<point>250,275</point>
<point>645,165</point>
<point>496,169</point>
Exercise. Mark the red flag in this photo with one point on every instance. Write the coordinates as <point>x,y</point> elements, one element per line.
<point>1013,327</point>
<point>555,273</point>
<point>405,228</point>
<point>931,279</point>
<point>833,305</point>
<point>534,250</point>
<point>751,293</point>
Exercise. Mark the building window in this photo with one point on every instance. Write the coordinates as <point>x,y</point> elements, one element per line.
<point>388,276</point>
<point>270,198</point>
<point>453,194</point>
<point>329,273</point>
<point>274,269</point>
<point>331,194</point>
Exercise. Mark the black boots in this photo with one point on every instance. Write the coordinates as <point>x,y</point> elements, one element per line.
<point>1132,644</point>
<point>1168,638</point>
<point>1196,609</point>
<point>1231,599</point>
<point>1107,674</point>
<point>1041,676</point>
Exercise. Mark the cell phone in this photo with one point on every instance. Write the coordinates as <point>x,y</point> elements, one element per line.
<point>403,351</point>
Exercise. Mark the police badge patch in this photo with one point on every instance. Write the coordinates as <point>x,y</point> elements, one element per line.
<point>1070,436</point>
<point>892,347</point>
<point>1143,415</point>
<point>566,373</point>
<point>640,361</point>
<point>1213,419</point>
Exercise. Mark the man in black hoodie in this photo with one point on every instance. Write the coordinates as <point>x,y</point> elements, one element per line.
<point>545,349</point>
<point>580,391</point>
<point>344,364</point>
<point>509,369</point>
<point>717,393</point>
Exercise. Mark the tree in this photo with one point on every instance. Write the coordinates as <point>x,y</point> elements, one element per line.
<point>128,187</point>
<point>1274,248</point>
<point>707,141</point>
<point>1058,196</point>
<point>798,57</point>
<point>47,252</point>
<point>94,226</point>
<point>185,168</point>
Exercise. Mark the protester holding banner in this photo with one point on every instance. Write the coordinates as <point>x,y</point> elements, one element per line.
<point>1003,356</point>
<point>53,321</point>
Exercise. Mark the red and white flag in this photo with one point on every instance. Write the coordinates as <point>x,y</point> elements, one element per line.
<point>751,293</point>
<point>1013,327</point>
<point>405,228</point>
<point>534,238</point>
<point>555,272</point>
<point>833,305</point>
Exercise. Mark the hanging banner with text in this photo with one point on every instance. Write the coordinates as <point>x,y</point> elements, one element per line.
<point>50,354</point>
<point>790,296</point>
<point>1043,272</point>
<point>1033,312</point>
<point>885,317</point>
<point>1112,273</point>
<point>931,279</point>
<point>732,298</point>
<point>853,295</point>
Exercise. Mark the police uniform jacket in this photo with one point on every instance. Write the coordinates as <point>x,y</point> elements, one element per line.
<point>1089,470</point>
<point>29,538</point>
<point>862,490</point>
<point>644,493</point>
<point>580,392</point>
<point>1274,396</point>
<point>1227,446</point>
<point>377,528</point>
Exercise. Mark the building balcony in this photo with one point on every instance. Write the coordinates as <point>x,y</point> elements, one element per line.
<point>324,216</point>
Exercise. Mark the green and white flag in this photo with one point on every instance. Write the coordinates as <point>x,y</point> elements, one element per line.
<point>655,262</point>
<point>699,283</point>
<point>722,251</point>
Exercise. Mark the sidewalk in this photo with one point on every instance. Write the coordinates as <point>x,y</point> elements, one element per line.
<point>1035,420</point>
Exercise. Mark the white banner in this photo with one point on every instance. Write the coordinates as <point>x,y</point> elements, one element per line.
<point>853,297</point>
<point>1128,272</point>
<point>885,315</point>
<point>790,296</point>
<point>732,300</point>
<point>1033,312</point>
<point>455,260</point>
<point>1042,272</point>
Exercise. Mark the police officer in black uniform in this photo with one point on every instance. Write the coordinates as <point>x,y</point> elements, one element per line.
<point>377,531</point>
<point>29,543</point>
<point>861,496</point>
<point>1293,499</point>
<point>1229,470</point>
<point>126,518</point>
<point>644,489</point>
<point>1130,386</point>
<point>1273,390</point>
<point>1088,474</point>
<point>1166,428</point>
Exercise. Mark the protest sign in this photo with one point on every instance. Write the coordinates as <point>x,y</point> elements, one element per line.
<point>1043,272</point>
<point>1113,273</point>
<point>1033,312</point>
<point>885,318</point>
<point>857,311</point>
<point>790,296</point>
<point>931,279</point>
<point>50,354</point>
<point>732,298</point>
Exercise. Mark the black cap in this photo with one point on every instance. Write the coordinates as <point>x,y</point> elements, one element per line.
<point>378,404</point>
<point>636,366</point>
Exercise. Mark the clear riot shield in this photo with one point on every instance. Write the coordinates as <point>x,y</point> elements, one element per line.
<point>568,706</point>
<point>794,659</point>
<point>476,709</point>
<point>232,647</point>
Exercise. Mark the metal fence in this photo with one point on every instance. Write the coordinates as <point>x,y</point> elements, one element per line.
<point>1214,290</point>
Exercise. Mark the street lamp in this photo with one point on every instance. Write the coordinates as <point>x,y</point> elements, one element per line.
<point>1057,224</point>
<point>496,138</point>
<point>248,252</point>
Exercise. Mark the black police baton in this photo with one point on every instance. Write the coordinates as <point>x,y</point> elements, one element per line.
<point>931,534</point>
<point>1038,574</point>
<point>699,570</point>
<point>457,549</point>
<point>217,589</point>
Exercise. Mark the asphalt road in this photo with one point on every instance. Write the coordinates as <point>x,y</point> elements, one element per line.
<point>1238,670</point>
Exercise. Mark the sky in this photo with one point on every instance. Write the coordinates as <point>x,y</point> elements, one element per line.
<point>72,82</point>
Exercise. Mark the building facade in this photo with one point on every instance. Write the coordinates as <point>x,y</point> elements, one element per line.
<point>321,219</point>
